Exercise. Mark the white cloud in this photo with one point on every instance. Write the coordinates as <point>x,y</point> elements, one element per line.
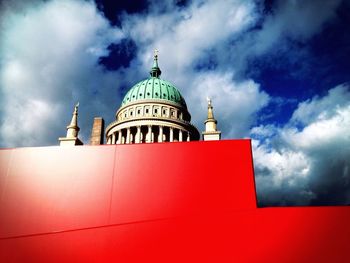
<point>188,36</point>
<point>311,162</point>
<point>50,52</point>
<point>320,108</point>
<point>264,131</point>
<point>184,36</point>
<point>244,97</point>
<point>49,57</point>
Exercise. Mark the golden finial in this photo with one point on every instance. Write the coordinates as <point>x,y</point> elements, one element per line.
<point>209,101</point>
<point>76,107</point>
<point>156,52</point>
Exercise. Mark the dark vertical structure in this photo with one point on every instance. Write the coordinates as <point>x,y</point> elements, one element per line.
<point>97,131</point>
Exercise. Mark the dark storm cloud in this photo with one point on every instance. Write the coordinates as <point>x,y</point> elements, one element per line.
<point>308,165</point>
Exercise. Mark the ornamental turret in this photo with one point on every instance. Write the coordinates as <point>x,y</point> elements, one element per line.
<point>72,131</point>
<point>211,133</point>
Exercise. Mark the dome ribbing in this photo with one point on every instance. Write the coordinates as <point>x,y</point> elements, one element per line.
<point>154,88</point>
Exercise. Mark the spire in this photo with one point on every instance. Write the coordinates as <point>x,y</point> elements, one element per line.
<point>210,111</point>
<point>72,130</point>
<point>155,71</point>
<point>211,132</point>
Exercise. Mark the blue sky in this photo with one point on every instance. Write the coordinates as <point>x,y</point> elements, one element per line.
<point>277,72</point>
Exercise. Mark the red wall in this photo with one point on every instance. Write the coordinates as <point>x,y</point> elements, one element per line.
<point>154,203</point>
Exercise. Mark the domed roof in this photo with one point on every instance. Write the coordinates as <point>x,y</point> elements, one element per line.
<point>154,88</point>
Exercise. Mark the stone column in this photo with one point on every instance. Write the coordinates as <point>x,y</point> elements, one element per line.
<point>149,134</point>
<point>171,139</point>
<point>127,135</point>
<point>188,136</point>
<point>113,138</point>
<point>180,135</point>
<point>119,141</point>
<point>138,135</point>
<point>160,137</point>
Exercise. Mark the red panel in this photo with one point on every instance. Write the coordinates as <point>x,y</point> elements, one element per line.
<point>304,234</point>
<point>262,235</point>
<point>194,239</point>
<point>54,188</point>
<point>5,159</point>
<point>171,202</point>
<point>61,188</point>
<point>172,179</point>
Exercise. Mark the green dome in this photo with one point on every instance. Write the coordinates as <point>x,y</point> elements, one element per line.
<point>153,88</point>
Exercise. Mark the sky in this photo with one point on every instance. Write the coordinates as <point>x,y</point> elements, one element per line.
<point>277,72</point>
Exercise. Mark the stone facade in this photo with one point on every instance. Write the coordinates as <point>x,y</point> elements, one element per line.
<point>150,121</point>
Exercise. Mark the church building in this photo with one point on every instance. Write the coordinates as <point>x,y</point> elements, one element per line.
<point>153,110</point>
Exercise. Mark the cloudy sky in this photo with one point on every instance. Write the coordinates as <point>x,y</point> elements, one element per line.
<point>277,71</point>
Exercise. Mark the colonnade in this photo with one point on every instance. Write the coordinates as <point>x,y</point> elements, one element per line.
<point>148,134</point>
